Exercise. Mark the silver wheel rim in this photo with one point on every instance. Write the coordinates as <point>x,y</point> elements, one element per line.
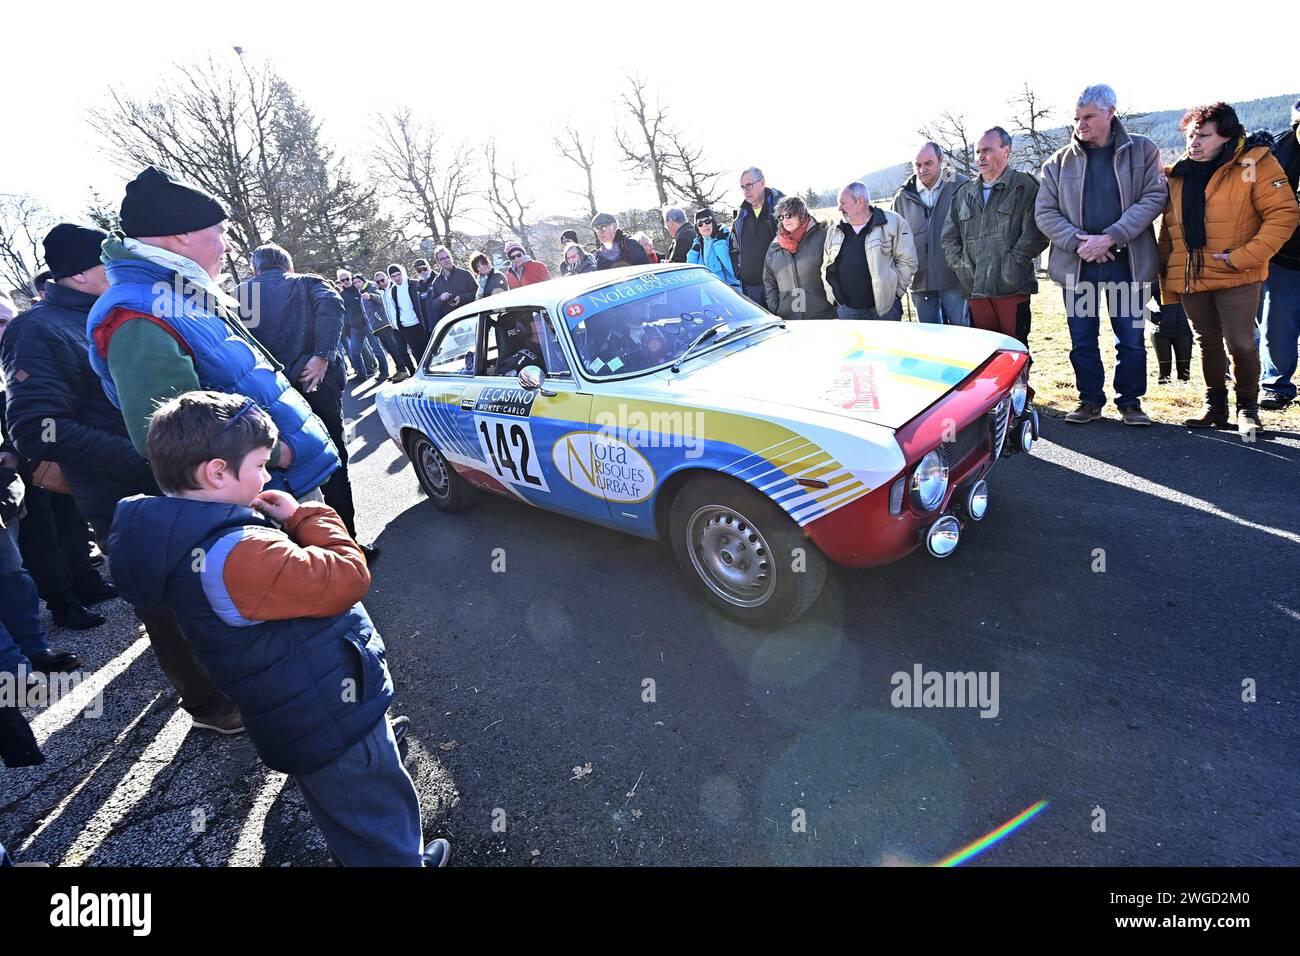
<point>433,468</point>
<point>731,556</point>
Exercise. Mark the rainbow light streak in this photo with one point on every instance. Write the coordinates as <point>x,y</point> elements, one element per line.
<point>984,842</point>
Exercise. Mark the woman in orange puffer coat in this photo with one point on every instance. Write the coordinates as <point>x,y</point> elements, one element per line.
<point>1230,210</point>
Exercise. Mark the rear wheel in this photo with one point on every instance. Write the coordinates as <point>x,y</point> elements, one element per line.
<point>752,561</point>
<point>445,488</point>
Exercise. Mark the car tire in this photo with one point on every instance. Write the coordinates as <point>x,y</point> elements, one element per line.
<point>741,549</point>
<point>446,489</point>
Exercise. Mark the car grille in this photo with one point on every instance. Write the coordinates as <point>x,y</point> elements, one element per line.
<point>967,440</point>
<point>1000,418</point>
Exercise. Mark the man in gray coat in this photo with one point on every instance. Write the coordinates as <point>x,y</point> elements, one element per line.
<point>1098,197</point>
<point>924,201</point>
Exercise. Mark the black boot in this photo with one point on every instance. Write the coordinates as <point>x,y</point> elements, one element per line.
<point>1164,356</point>
<point>1215,412</point>
<point>18,747</point>
<point>1183,357</point>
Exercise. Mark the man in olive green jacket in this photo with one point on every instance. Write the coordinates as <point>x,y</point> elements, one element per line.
<point>991,239</point>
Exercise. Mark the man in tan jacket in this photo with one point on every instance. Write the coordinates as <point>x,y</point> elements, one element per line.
<point>1097,198</point>
<point>868,259</point>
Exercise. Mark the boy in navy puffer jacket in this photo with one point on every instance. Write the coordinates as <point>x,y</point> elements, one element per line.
<point>275,617</point>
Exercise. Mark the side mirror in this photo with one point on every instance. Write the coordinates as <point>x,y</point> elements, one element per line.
<point>532,378</point>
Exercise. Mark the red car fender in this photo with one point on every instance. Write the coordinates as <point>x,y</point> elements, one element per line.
<point>864,533</point>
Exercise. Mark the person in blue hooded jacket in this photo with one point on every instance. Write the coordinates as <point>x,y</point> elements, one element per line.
<point>269,592</point>
<point>165,326</point>
<point>712,248</point>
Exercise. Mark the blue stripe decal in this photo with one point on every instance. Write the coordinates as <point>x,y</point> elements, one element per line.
<point>926,369</point>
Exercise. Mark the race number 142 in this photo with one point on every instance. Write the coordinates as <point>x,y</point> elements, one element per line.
<point>508,447</point>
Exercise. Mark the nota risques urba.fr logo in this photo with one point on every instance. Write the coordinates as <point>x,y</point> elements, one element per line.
<point>604,467</point>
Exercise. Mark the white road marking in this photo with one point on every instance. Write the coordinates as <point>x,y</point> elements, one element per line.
<point>1104,471</point>
<point>133,788</point>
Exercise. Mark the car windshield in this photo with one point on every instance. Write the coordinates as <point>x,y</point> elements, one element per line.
<point>650,320</point>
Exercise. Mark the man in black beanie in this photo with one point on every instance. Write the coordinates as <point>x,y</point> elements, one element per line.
<point>53,536</point>
<point>166,326</point>
<point>58,412</point>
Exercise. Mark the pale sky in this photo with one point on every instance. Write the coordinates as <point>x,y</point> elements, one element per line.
<point>811,93</point>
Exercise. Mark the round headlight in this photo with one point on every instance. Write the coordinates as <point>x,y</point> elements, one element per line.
<point>930,481</point>
<point>1019,396</point>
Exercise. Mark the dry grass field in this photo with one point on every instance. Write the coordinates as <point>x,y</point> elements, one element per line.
<point>1053,377</point>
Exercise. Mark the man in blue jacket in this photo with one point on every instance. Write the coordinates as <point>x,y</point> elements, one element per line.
<point>58,412</point>
<point>165,326</point>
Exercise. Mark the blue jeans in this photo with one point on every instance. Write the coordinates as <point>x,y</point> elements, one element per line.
<point>363,362</point>
<point>848,312</point>
<point>1125,305</point>
<point>941,308</point>
<point>366,805</point>
<point>1279,331</point>
<point>20,607</point>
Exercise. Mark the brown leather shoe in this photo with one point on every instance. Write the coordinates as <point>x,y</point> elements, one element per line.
<point>223,717</point>
<point>1133,415</point>
<point>1084,413</point>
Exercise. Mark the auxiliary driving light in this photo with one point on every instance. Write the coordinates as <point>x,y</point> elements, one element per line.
<point>1026,435</point>
<point>977,500</point>
<point>941,540</point>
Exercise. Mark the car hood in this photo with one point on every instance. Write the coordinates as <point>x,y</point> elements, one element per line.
<point>885,373</point>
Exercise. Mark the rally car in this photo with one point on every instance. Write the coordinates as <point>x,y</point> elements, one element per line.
<point>658,401</point>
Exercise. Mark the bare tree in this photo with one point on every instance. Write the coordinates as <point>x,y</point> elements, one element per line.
<point>1037,136</point>
<point>508,208</point>
<point>1137,122</point>
<point>430,182</point>
<point>572,148</point>
<point>101,212</point>
<point>23,225</point>
<point>206,128</point>
<point>645,151</point>
<point>683,172</point>
<point>951,133</point>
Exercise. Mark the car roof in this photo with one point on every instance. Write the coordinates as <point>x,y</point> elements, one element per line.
<point>562,289</point>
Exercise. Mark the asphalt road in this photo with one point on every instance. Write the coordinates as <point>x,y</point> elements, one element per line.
<point>1119,690</point>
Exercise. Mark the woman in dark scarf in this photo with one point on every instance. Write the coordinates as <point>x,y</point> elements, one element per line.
<point>1230,210</point>
<point>792,270</point>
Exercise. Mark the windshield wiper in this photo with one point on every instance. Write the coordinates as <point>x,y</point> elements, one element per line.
<point>699,340</point>
<point>707,334</point>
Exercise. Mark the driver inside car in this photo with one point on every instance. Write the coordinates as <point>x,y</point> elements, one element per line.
<point>518,342</point>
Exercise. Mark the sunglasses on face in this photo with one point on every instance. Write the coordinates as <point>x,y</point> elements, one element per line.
<point>703,222</point>
<point>748,186</point>
<point>788,215</point>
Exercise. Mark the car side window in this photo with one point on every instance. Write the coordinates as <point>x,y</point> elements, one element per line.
<point>522,336</point>
<point>453,353</point>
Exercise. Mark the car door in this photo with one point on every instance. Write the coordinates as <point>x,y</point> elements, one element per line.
<point>518,430</point>
<point>433,405</point>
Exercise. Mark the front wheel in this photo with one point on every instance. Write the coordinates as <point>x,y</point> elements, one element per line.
<point>751,559</point>
<point>445,488</point>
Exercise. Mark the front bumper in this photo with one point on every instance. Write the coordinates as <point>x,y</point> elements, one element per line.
<point>871,532</point>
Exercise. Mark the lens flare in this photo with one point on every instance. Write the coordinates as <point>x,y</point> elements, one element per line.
<point>984,842</point>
